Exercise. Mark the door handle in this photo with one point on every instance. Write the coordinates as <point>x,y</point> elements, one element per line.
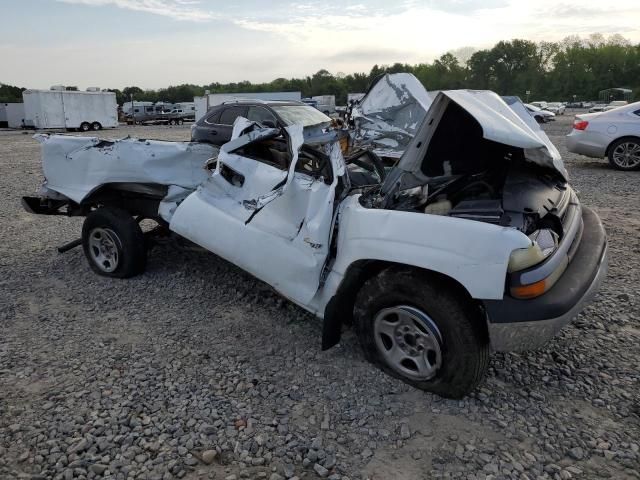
<point>213,132</point>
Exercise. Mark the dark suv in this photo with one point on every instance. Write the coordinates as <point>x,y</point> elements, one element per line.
<point>216,126</point>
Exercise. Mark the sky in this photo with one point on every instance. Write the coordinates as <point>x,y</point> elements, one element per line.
<point>157,43</point>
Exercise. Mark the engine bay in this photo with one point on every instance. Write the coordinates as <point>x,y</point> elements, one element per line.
<point>518,195</point>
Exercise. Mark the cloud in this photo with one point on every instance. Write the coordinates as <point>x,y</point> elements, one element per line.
<point>185,10</point>
<point>464,6</point>
<point>366,54</point>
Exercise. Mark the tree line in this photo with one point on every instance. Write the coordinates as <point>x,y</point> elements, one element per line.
<point>574,68</point>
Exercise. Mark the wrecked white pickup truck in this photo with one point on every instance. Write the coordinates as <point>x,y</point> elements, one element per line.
<point>473,241</point>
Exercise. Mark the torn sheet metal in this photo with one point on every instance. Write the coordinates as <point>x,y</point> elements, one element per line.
<point>275,222</point>
<point>389,115</point>
<point>500,123</point>
<point>75,166</point>
<point>261,183</point>
<point>170,202</point>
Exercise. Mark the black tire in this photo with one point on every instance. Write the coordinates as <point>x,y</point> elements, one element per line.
<point>96,126</point>
<point>118,229</point>
<point>85,126</point>
<point>620,163</point>
<point>464,345</point>
<point>180,122</point>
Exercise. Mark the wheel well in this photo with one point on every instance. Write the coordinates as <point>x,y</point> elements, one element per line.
<point>135,198</point>
<point>631,137</point>
<point>339,310</point>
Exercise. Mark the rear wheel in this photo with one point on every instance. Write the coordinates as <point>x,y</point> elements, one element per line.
<point>85,126</point>
<point>624,154</point>
<point>422,331</point>
<point>96,126</point>
<point>113,243</point>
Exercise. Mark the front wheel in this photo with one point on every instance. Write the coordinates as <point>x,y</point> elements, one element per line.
<point>624,154</point>
<point>85,126</point>
<point>113,243</point>
<point>423,331</point>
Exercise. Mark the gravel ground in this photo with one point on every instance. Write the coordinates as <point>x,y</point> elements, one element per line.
<point>196,370</point>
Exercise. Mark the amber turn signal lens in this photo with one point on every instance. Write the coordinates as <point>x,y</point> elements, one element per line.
<point>529,291</point>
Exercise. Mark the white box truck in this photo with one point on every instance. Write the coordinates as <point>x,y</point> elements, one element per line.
<point>209,100</point>
<point>90,110</point>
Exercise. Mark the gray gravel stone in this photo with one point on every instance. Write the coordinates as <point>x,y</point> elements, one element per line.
<point>320,470</point>
<point>208,456</point>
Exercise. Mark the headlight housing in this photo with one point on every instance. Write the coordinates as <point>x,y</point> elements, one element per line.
<point>543,243</point>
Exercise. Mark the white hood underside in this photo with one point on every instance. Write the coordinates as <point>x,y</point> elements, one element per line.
<point>506,124</point>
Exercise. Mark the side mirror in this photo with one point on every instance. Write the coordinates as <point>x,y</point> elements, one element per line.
<point>269,124</point>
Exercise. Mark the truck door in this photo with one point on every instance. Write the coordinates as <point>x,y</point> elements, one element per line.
<point>268,208</point>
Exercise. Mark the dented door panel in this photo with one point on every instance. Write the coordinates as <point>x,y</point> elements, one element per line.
<point>274,223</point>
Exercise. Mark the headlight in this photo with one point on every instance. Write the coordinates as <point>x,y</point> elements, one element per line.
<point>543,243</point>
<point>523,258</point>
<point>546,239</point>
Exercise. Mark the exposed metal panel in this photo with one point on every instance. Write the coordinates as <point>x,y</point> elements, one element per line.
<point>389,115</point>
<point>76,166</point>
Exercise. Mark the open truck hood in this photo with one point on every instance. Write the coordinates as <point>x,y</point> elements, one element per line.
<point>501,123</point>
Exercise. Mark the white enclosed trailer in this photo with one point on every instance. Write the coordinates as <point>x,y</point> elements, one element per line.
<point>91,110</point>
<point>209,100</point>
<point>326,103</point>
<point>11,114</point>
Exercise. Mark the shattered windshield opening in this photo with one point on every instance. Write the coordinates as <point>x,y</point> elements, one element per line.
<point>300,115</point>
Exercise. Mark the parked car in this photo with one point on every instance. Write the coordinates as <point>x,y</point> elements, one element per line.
<point>615,104</point>
<point>473,242</point>
<point>541,116</point>
<point>614,134</point>
<point>216,126</point>
<point>540,104</point>
<point>557,108</point>
<point>598,107</point>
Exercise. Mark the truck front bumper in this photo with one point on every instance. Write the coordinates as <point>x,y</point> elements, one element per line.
<point>518,325</point>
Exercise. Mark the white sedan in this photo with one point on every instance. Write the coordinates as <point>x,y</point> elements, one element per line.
<point>540,115</point>
<point>614,134</point>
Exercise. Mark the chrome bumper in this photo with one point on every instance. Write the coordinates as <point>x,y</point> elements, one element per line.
<point>522,336</point>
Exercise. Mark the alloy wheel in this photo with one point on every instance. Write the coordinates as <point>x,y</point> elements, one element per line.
<point>627,155</point>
